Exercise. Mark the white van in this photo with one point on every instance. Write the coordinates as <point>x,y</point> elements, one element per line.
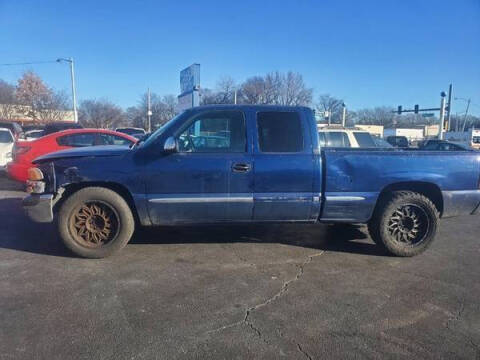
<point>345,137</point>
<point>470,138</point>
<point>6,145</point>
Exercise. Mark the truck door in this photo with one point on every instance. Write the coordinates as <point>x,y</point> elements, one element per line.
<point>284,167</point>
<point>209,178</point>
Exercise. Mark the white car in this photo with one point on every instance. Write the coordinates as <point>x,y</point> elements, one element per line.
<point>6,145</point>
<point>345,137</point>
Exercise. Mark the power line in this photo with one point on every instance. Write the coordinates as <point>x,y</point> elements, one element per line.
<point>29,63</point>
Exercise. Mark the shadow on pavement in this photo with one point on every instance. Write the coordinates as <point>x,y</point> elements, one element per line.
<point>338,238</point>
<point>17,232</point>
<point>7,184</point>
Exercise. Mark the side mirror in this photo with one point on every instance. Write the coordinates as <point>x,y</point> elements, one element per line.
<point>170,145</point>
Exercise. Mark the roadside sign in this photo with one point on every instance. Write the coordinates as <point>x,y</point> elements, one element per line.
<point>189,88</point>
<point>190,78</point>
<point>426,115</point>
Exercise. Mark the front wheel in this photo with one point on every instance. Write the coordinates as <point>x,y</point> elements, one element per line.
<point>95,222</point>
<point>404,224</point>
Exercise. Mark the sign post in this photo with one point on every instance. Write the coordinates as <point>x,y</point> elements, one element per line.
<point>189,88</point>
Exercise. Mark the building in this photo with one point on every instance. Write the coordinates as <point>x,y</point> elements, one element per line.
<point>412,134</point>
<point>375,130</point>
<point>23,114</point>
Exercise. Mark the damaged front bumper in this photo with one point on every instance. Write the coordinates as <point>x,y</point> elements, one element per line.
<point>39,207</point>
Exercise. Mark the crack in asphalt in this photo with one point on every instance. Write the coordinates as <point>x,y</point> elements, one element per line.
<point>458,315</point>
<point>246,320</point>
<point>307,355</point>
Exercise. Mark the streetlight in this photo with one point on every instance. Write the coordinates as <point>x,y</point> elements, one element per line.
<point>74,96</point>
<point>344,113</point>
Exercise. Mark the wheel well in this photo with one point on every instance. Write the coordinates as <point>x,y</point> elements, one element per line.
<point>118,188</point>
<point>427,189</point>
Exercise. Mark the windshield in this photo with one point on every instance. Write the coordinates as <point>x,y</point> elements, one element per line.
<point>5,137</point>
<point>364,139</point>
<point>131,131</point>
<point>152,138</point>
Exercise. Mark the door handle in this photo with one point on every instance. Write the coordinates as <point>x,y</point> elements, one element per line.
<point>241,167</point>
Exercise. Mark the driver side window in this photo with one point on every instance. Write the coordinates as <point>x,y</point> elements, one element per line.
<point>216,131</point>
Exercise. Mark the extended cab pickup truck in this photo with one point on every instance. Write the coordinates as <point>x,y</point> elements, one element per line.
<point>243,164</point>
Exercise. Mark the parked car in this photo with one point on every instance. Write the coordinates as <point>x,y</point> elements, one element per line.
<point>270,169</point>
<point>469,138</point>
<point>33,134</point>
<point>343,137</point>
<point>31,127</point>
<point>6,145</point>
<point>398,141</point>
<point>60,126</point>
<point>442,145</point>
<point>24,152</point>
<point>138,133</point>
<point>14,128</point>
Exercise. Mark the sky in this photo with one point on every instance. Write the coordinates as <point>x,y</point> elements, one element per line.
<point>369,53</point>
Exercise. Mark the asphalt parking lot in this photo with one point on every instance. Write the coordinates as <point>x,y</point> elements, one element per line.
<point>298,292</point>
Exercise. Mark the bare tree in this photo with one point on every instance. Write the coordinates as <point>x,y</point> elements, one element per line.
<point>253,90</point>
<point>224,92</point>
<point>207,96</point>
<point>294,90</point>
<point>166,109</point>
<point>40,103</point>
<point>376,116</point>
<point>276,88</point>
<point>163,109</point>
<point>100,114</point>
<point>8,101</point>
<point>332,105</point>
<point>135,117</point>
<point>274,83</point>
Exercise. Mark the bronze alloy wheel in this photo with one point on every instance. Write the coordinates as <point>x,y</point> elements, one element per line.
<point>409,224</point>
<point>94,224</point>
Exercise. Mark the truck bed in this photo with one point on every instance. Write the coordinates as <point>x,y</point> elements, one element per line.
<point>355,178</point>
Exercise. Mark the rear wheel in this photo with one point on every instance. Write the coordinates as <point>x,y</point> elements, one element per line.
<point>95,222</point>
<point>404,224</point>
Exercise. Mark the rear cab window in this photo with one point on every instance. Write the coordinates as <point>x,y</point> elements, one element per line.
<point>279,132</point>
<point>77,140</point>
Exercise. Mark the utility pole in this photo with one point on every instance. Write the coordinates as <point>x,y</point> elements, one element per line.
<point>442,116</point>
<point>466,114</point>
<point>344,114</point>
<point>235,97</point>
<point>449,106</point>
<point>149,112</point>
<point>74,94</point>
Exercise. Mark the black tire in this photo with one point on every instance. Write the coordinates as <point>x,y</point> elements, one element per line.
<point>404,223</point>
<point>95,222</point>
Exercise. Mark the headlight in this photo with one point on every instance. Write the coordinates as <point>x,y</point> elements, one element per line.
<point>35,183</point>
<point>35,187</point>
<point>35,174</point>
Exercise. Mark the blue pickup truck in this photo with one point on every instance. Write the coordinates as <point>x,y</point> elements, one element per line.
<point>244,164</point>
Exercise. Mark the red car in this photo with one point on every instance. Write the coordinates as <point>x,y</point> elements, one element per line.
<point>24,152</point>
